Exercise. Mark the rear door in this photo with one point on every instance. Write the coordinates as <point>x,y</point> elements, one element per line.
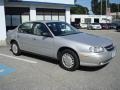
<point>25,36</point>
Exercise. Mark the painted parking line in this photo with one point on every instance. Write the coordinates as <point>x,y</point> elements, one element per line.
<point>5,70</point>
<point>21,59</point>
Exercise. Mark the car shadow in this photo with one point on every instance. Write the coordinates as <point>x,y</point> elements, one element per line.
<point>117,31</point>
<point>54,61</point>
<point>40,57</point>
<point>91,69</point>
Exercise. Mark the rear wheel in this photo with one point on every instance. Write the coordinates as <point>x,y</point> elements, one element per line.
<point>69,60</point>
<point>88,28</point>
<point>15,48</point>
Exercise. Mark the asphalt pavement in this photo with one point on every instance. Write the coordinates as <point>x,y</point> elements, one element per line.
<point>32,72</point>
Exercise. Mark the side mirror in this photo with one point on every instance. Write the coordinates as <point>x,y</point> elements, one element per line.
<point>46,34</point>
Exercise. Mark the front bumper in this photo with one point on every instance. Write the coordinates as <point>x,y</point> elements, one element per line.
<point>96,59</point>
<point>97,28</point>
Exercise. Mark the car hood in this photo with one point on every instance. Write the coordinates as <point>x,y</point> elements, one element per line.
<point>89,39</point>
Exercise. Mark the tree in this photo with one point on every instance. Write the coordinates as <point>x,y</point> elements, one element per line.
<point>96,6</point>
<point>115,7</point>
<point>78,9</point>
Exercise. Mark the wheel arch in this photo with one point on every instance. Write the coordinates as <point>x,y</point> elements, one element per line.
<point>63,48</point>
<point>13,41</point>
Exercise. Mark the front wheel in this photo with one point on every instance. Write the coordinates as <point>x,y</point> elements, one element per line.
<point>15,49</point>
<point>69,60</point>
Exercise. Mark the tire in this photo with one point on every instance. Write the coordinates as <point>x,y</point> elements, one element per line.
<point>15,48</point>
<point>88,28</point>
<point>72,64</point>
<point>118,28</point>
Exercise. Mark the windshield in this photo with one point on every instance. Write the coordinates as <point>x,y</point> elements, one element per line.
<point>62,28</point>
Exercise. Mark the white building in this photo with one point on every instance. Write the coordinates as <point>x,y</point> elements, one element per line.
<point>115,15</point>
<point>91,18</point>
<point>14,12</point>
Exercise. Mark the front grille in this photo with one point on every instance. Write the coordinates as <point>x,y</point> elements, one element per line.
<point>109,48</point>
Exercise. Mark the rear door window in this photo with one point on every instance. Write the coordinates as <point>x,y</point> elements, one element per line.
<point>26,28</point>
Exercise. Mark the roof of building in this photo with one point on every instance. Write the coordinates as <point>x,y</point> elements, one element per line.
<point>60,2</point>
<point>45,21</point>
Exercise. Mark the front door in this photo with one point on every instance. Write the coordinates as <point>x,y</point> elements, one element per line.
<point>43,44</point>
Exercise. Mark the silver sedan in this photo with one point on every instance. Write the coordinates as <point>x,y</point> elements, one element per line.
<point>63,42</point>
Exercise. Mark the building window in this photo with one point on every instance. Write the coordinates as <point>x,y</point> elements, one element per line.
<point>96,20</point>
<point>16,16</point>
<point>25,18</point>
<point>50,14</point>
<point>78,20</point>
<point>40,15</point>
<point>61,16</point>
<point>8,20</point>
<point>55,16</point>
<point>87,20</point>
<point>15,20</point>
<point>47,15</point>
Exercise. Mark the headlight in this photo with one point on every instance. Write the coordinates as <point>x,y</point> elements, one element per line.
<point>96,49</point>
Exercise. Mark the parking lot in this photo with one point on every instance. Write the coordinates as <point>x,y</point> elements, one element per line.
<point>32,72</point>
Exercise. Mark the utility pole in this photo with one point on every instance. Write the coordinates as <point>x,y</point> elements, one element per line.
<point>101,6</point>
<point>118,10</point>
<point>75,2</point>
<point>106,6</point>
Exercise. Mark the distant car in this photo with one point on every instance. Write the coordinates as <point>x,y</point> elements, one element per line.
<point>94,26</point>
<point>83,25</point>
<point>63,42</point>
<point>112,25</point>
<point>117,23</point>
<point>104,25</point>
<point>118,28</point>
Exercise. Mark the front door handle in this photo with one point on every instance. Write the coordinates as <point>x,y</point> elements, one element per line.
<point>34,39</point>
<point>18,36</point>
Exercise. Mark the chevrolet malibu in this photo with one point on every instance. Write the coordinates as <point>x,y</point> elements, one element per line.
<point>62,42</point>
